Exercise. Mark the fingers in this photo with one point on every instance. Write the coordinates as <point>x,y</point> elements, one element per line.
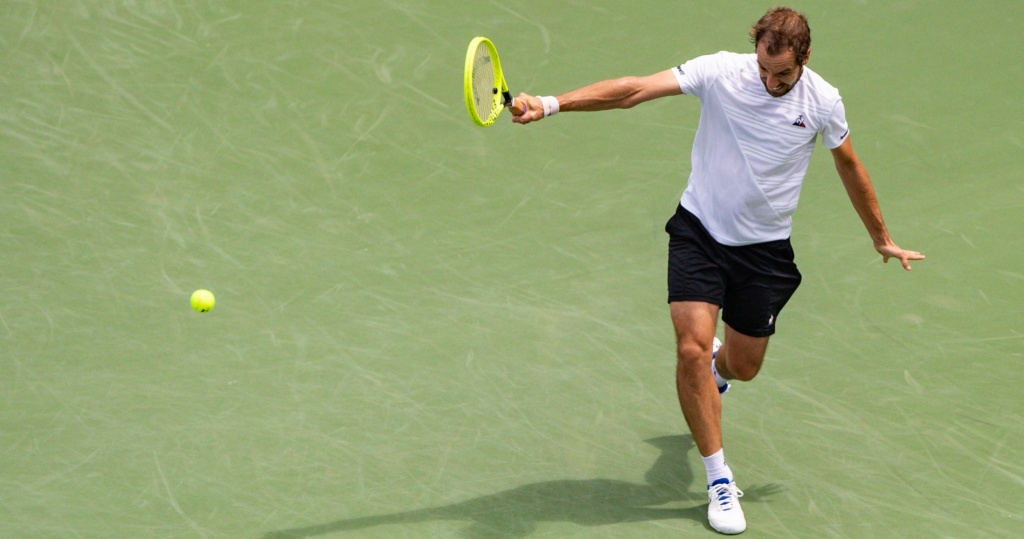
<point>529,109</point>
<point>908,256</point>
<point>905,257</point>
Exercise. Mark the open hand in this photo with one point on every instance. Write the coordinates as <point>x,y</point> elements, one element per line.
<point>892,250</point>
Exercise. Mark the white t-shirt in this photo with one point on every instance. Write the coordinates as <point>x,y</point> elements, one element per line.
<point>752,150</point>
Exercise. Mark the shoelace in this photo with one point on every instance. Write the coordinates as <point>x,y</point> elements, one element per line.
<point>724,493</point>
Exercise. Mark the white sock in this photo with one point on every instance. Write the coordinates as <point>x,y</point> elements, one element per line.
<point>716,467</point>
<point>714,370</point>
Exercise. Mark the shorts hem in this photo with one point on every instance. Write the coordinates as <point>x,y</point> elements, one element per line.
<point>756,334</point>
<point>704,299</point>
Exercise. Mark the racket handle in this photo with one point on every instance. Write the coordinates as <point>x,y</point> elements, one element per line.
<point>510,103</point>
<point>518,107</point>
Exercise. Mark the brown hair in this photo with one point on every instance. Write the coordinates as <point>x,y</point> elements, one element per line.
<point>782,29</point>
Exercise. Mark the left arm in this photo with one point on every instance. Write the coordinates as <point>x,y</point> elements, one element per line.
<point>862,195</point>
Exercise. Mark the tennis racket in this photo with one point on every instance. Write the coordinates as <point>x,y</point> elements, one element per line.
<point>486,90</point>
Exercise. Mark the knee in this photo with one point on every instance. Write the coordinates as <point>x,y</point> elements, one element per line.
<point>692,354</point>
<point>741,356</point>
<point>742,368</point>
<point>744,371</point>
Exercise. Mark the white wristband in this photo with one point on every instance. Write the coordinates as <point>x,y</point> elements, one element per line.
<point>550,104</point>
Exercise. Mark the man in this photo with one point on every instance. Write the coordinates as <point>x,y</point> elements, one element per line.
<point>729,245</point>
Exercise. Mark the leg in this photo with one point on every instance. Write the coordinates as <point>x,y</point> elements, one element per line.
<point>741,356</point>
<point>695,324</point>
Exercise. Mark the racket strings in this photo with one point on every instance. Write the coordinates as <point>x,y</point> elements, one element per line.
<point>486,98</point>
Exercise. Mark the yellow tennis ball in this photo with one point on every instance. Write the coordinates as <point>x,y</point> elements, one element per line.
<point>202,300</point>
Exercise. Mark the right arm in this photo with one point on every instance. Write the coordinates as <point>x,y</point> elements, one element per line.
<point>621,93</point>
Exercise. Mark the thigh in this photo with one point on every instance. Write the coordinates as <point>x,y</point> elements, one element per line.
<point>744,354</point>
<point>694,322</point>
<point>694,267</point>
<point>760,281</point>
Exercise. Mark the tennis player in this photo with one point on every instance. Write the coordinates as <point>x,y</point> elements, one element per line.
<point>729,247</point>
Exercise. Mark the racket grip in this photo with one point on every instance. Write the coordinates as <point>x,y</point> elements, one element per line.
<point>515,108</point>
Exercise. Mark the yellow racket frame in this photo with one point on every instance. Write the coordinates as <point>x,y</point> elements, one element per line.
<point>499,99</point>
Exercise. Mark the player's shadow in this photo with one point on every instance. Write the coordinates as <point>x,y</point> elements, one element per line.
<point>592,502</point>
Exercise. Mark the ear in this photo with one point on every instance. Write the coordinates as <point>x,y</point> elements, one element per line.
<point>807,58</point>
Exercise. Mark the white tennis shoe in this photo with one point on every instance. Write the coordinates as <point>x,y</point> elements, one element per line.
<point>724,512</point>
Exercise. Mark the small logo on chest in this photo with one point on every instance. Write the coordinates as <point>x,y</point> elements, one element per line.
<point>799,122</point>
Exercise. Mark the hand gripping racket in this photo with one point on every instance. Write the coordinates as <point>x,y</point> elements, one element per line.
<point>486,90</point>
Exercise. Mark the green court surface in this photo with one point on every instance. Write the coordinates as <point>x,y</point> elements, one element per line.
<point>426,328</point>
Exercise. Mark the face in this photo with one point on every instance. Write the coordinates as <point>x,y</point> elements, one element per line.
<point>778,73</point>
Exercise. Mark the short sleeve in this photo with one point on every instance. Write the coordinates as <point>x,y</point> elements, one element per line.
<point>695,75</point>
<point>835,130</point>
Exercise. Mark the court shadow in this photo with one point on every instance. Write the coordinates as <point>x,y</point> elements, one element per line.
<point>591,502</point>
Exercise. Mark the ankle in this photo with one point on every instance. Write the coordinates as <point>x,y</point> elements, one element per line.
<point>716,467</point>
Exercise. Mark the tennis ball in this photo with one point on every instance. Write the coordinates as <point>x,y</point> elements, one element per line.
<point>202,300</point>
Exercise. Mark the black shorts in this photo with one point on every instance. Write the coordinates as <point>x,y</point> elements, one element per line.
<point>750,283</point>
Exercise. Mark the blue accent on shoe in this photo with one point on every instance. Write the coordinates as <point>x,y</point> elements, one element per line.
<point>723,495</point>
<point>723,389</point>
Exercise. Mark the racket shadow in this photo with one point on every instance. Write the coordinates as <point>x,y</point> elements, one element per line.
<point>595,502</point>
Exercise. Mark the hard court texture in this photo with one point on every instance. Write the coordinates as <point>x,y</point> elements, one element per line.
<point>428,329</point>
